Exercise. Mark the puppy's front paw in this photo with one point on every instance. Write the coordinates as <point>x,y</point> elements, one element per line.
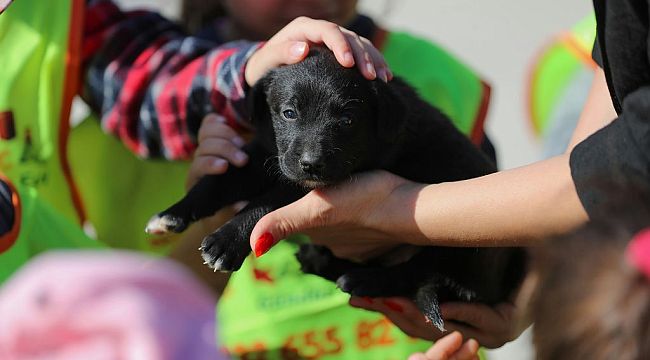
<point>164,223</point>
<point>225,250</point>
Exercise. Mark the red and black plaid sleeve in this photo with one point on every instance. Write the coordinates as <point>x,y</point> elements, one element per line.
<point>152,83</point>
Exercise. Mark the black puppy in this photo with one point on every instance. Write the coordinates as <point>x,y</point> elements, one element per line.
<point>317,123</point>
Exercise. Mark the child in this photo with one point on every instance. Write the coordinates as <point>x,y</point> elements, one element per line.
<point>269,305</point>
<point>150,83</point>
<point>593,295</point>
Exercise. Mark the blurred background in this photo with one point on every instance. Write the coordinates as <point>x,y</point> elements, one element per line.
<point>499,39</point>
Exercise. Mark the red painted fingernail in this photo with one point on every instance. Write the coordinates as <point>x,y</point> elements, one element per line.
<point>263,244</point>
<point>367,299</point>
<point>394,306</point>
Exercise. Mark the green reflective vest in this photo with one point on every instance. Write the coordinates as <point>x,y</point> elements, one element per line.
<point>556,68</point>
<point>80,175</point>
<point>40,68</point>
<point>271,310</point>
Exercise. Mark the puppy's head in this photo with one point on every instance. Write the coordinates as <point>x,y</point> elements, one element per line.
<point>326,121</point>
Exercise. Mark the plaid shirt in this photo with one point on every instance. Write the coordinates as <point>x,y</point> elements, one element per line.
<point>152,84</point>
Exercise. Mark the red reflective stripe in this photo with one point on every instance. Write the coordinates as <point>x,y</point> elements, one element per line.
<point>575,47</point>
<point>379,38</point>
<point>531,80</point>
<point>9,239</point>
<point>70,89</point>
<point>478,132</point>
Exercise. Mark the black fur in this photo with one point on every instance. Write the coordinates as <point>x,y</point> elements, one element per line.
<point>317,123</point>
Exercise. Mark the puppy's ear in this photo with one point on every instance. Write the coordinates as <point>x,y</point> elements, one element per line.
<point>391,111</point>
<point>258,108</point>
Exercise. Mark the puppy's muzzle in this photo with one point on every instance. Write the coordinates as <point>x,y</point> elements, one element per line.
<point>311,164</point>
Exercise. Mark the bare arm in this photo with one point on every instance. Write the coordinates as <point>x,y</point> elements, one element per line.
<point>512,207</point>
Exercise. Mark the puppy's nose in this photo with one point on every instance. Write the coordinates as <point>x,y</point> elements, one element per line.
<point>311,164</point>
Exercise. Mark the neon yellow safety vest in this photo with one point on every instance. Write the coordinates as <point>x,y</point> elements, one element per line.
<point>40,66</point>
<point>40,46</point>
<point>79,175</point>
<point>271,310</point>
<point>120,191</point>
<point>554,70</point>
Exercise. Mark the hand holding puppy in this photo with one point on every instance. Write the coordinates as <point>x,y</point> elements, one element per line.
<point>291,45</point>
<point>491,326</point>
<point>351,219</point>
<point>450,347</point>
<point>219,145</point>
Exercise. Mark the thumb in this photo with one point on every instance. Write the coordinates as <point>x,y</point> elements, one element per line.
<point>304,214</point>
<point>272,55</point>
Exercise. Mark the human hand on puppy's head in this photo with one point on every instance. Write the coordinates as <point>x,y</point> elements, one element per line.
<point>291,45</point>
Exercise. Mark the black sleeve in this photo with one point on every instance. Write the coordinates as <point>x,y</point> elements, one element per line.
<point>596,53</point>
<point>615,161</point>
<point>7,211</point>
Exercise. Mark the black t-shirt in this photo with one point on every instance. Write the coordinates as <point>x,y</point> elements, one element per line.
<point>614,163</point>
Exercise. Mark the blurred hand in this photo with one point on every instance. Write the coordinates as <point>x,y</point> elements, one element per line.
<point>291,45</point>
<point>490,326</point>
<point>219,145</point>
<point>450,347</point>
<point>356,220</point>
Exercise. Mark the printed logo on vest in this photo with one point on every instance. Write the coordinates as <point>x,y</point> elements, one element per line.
<point>7,125</point>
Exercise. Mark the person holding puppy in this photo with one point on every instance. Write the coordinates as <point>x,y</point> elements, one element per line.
<point>514,207</point>
<point>136,80</point>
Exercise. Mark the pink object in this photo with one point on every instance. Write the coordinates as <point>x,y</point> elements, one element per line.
<point>106,305</point>
<point>638,252</point>
<point>4,4</point>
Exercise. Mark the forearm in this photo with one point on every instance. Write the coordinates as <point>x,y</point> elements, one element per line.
<point>513,207</point>
<point>152,84</point>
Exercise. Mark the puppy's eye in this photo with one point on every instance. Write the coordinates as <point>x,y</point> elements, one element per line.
<point>346,120</point>
<point>289,114</point>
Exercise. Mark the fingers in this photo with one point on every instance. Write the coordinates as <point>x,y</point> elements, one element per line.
<point>308,212</point>
<point>478,315</point>
<point>474,314</point>
<point>452,347</point>
<point>491,326</point>
<point>320,32</point>
<point>214,125</point>
<point>219,145</point>
<point>291,44</point>
<point>469,351</point>
<point>218,148</point>
<point>445,347</point>
<point>403,313</point>
<point>368,59</point>
<point>272,55</point>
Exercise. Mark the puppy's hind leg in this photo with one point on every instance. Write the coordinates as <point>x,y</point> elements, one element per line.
<point>401,280</point>
<point>319,260</point>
